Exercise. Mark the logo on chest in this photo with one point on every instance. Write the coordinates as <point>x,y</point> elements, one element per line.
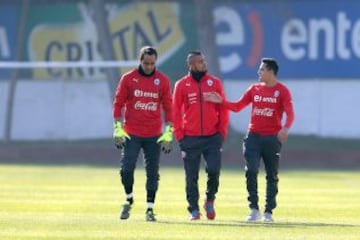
<point>259,98</point>
<point>157,81</point>
<point>192,97</point>
<point>141,93</point>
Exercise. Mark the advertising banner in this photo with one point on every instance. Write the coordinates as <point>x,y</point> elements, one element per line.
<point>9,15</point>
<point>310,39</point>
<point>67,32</point>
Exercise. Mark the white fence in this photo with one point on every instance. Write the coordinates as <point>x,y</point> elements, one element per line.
<point>83,110</point>
<point>325,108</point>
<point>58,110</point>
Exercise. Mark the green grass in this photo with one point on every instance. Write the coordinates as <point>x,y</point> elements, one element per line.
<point>81,202</point>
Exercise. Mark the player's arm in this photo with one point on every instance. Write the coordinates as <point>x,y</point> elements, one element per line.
<point>241,103</point>
<point>290,116</point>
<point>167,102</point>
<point>165,140</point>
<point>177,112</point>
<point>233,106</point>
<point>119,134</point>
<point>223,115</point>
<point>121,96</point>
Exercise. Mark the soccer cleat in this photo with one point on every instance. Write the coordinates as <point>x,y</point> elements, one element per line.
<point>125,212</point>
<point>254,216</point>
<point>210,211</point>
<point>150,216</point>
<point>195,215</point>
<point>268,217</point>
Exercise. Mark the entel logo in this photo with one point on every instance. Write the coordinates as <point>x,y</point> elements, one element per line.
<point>235,35</point>
<point>140,93</point>
<point>257,98</point>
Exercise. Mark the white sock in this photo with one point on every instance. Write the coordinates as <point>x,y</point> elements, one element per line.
<point>128,196</point>
<point>150,205</point>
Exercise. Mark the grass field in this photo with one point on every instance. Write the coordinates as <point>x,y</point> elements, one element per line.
<point>81,202</point>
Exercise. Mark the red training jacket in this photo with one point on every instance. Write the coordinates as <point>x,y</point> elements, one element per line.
<point>268,106</point>
<point>140,98</point>
<point>192,115</point>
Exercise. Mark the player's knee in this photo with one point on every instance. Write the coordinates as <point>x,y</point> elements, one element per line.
<point>251,173</point>
<point>125,173</point>
<point>153,177</point>
<point>128,166</point>
<point>213,173</point>
<point>272,178</point>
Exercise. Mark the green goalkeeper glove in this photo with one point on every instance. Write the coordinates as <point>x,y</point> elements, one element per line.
<point>166,139</point>
<point>119,136</point>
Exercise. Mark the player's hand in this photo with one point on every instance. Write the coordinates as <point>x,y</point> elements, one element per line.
<point>166,139</point>
<point>119,135</point>
<point>213,97</point>
<point>283,134</point>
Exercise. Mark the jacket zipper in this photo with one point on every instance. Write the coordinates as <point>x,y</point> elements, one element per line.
<point>201,108</point>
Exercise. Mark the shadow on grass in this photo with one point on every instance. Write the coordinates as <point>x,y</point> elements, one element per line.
<point>257,224</point>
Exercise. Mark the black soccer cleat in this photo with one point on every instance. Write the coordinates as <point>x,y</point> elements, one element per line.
<point>125,212</point>
<point>149,215</point>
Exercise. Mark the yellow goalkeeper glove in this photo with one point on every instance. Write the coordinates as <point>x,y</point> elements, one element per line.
<point>119,135</point>
<point>166,139</point>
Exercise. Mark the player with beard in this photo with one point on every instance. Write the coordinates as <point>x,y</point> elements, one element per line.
<point>200,127</point>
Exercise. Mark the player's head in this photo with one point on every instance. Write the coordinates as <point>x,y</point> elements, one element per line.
<point>196,61</point>
<point>148,56</point>
<point>268,70</point>
<point>271,65</point>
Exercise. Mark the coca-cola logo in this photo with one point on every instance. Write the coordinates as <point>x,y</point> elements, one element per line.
<point>266,112</point>
<point>149,106</point>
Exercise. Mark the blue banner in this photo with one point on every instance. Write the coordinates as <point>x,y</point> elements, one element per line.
<point>309,39</point>
<point>8,26</point>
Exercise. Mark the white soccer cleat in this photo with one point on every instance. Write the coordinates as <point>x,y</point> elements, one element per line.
<point>268,218</point>
<point>254,216</point>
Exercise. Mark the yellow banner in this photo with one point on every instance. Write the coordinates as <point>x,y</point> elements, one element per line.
<point>131,27</point>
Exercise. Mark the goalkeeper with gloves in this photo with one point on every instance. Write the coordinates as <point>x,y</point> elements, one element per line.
<point>141,96</point>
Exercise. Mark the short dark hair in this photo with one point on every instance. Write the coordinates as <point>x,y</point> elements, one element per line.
<point>147,50</point>
<point>271,64</point>
<point>192,54</point>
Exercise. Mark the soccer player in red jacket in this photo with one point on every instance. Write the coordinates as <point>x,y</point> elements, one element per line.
<point>141,95</point>
<point>266,134</point>
<point>200,127</point>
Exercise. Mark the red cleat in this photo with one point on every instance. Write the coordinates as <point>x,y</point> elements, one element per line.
<point>210,211</point>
